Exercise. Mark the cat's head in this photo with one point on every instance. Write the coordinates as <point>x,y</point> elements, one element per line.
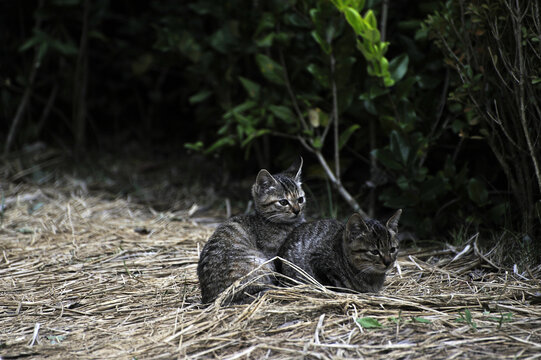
<point>279,198</point>
<point>370,245</point>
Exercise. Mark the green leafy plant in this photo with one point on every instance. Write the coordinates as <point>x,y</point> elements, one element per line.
<point>369,323</point>
<point>416,319</point>
<point>421,320</point>
<point>368,38</point>
<point>466,317</point>
<point>502,319</point>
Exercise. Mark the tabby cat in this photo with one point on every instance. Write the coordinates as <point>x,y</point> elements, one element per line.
<point>355,256</point>
<point>245,242</point>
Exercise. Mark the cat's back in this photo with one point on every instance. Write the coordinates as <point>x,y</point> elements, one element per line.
<point>236,230</point>
<point>234,236</point>
<point>310,237</point>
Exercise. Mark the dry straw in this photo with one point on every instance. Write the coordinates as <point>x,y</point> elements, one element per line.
<point>89,277</point>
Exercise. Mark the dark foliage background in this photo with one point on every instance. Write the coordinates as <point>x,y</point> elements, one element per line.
<point>455,140</point>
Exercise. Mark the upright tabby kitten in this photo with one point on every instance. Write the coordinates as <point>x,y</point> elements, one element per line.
<point>356,256</point>
<point>244,242</point>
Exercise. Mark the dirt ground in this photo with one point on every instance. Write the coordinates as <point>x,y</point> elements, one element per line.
<point>92,276</point>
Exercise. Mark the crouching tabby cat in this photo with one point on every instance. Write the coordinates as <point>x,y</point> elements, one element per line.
<point>355,256</point>
<point>243,243</point>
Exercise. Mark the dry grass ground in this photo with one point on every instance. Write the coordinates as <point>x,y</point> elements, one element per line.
<point>92,277</point>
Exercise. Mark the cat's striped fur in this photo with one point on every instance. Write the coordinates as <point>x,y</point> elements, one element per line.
<point>355,256</point>
<point>243,243</point>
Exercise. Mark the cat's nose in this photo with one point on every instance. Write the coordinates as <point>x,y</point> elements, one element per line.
<point>387,261</point>
<point>296,210</point>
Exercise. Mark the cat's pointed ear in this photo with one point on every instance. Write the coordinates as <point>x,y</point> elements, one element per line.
<point>265,180</point>
<point>356,223</point>
<point>392,223</point>
<point>295,169</point>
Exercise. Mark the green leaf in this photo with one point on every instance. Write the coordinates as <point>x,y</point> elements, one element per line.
<point>400,147</point>
<point>344,136</point>
<point>220,143</point>
<point>369,323</point>
<point>370,106</point>
<point>251,87</point>
<point>384,64</point>
<point>432,188</point>
<point>196,146</point>
<point>356,4</point>
<point>254,135</point>
<point>64,48</point>
<point>374,92</point>
<point>43,47</point>
<point>398,67</point>
<point>373,36</point>
<point>325,46</point>
<point>365,50</point>
<point>370,19</point>
<point>404,87</point>
<point>30,43</point>
<point>316,143</point>
<point>199,97</point>
<point>355,20</point>
<point>477,191</point>
<point>266,21</point>
<point>297,20</point>
<point>265,41</point>
<point>386,157</point>
<point>283,112</point>
<point>422,320</point>
<point>270,69</point>
<point>403,183</point>
<point>247,105</point>
<point>319,74</point>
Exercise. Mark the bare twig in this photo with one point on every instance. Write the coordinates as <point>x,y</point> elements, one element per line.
<point>335,118</point>
<point>338,185</point>
<point>517,25</point>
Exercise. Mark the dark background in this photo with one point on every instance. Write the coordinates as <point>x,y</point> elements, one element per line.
<point>161,81</point>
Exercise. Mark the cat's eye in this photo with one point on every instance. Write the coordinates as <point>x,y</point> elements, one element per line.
<point>392,250</point>
<point>374,252</point>
<point>300,200</point>
<point>283,202</point>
